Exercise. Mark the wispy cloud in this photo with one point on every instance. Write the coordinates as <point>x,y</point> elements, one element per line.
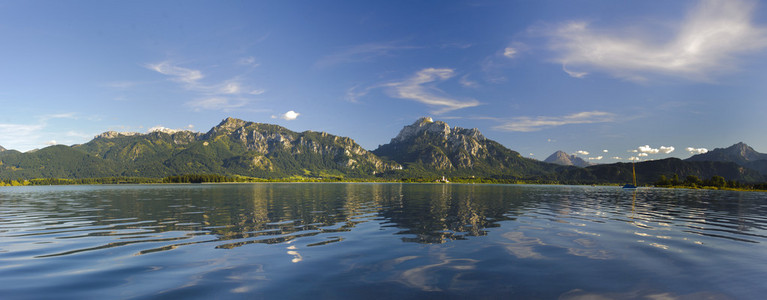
<point>362,53</point>
<point>248,61</point>
<point>217,103</point>
<point>24,137</point>
<point>529,124</point>
<point>573,73</point>
<point>354,93</point>
<point>421,87</point>
<point>464,81</point>
<point>177,73</point>
<point>224,95</point>
<point>708,41</point>
<point>582,152</point>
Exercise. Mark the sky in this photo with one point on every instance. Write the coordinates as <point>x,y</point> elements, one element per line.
<point>608,81</point>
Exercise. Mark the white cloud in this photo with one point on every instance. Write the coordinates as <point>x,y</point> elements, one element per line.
<point>216,103</point>
<point>362,53</point>
<point>51,143</point>
<point>25,137</point>
<point>464,81</point>
<point>352,94</point>
<point>248,61</point>
<point>230,88</point>
<point>528,124</point>
<point>596,158</point>
<point>707,41</point>
<point>420,88</point>
<point>225,95</point>
<point>634,158</point>
<point>647,149</point>
<point>617,158</point>
<point>288,116</point>
<point>178,73</point>
<point>509,52</point>
<point>696,150</point>
<point>581,152</point>
<point>604,151</point>
<point>573,73</point>
<point>643,154</point>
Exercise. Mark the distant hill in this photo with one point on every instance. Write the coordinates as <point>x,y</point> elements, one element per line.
<point>2,149</point>
<point>436,148</point>
<point>649,172</point>
<point>564,159</point>
<point>739,153</point>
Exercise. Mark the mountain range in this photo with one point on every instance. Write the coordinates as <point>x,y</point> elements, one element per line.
<point>424,149</point>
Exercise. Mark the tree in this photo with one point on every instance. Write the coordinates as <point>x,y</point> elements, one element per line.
<point>717,181</point>
<point>692,180</point>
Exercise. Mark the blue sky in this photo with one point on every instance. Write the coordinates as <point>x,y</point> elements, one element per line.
<point>609,80</point>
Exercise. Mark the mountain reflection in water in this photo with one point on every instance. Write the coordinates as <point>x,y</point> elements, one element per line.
<point>400,240</point>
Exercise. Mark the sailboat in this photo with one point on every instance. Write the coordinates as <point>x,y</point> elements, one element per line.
<point>634,173</point>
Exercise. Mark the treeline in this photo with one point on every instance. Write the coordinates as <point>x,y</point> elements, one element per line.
<point>65,181</point>
<point>207,178</point>
<point>717,182</point>
<point>214,178</point>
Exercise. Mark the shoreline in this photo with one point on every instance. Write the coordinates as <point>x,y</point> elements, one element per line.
<point>241,179</point>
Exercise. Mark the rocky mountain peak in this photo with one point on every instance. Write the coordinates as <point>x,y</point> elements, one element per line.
<point>562,158</point>
<point>436,145</point>
<point>231,124</point>
<point>227,125</point>
<point>743,150</point>
<point>739,153</point>
<point>2,149</point>
<point>424,124</point>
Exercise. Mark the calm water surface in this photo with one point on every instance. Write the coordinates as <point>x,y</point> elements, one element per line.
<point>380,241</point>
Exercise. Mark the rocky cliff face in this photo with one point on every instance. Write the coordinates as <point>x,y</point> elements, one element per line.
<point>2,149</point>
<point>430,144</point>
<point>271,141</point>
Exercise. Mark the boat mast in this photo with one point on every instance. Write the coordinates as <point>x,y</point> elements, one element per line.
<point>634,171</point>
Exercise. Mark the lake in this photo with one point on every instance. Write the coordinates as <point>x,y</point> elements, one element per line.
<point>380,241</point>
